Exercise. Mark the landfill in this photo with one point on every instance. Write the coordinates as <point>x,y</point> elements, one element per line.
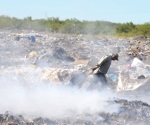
<point>46,79</point>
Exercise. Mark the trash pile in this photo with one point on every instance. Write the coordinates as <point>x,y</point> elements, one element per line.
<point>56,51</point>
<point>133,76</point>
<point>132,112</point>
<point>65,52</point>
<point>30,57</point>
<point>140,48</point>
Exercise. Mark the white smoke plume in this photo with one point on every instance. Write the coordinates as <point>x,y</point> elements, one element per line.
<point>52,101</point>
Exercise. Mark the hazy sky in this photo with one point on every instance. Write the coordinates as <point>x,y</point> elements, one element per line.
<point>136,11</point>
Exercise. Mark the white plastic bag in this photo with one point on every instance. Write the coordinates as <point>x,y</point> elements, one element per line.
<point>137,63</point>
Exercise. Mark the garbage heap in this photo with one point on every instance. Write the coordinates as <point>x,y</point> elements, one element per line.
<point>62,57</point>
<point>50,58</point>
<point>132,112</point>
<point>139,47</point>
<point>133,76</point>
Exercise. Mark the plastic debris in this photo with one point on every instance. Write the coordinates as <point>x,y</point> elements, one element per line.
<point>32,38</point>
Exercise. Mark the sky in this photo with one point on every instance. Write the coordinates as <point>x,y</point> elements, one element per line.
<point>117,11</point>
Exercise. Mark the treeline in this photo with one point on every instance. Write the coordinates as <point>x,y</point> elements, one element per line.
<point>130,29</point>
<point>75,26</point>
<point>69,26</point>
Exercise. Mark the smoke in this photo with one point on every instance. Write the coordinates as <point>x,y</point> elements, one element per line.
<point>48,100</point>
